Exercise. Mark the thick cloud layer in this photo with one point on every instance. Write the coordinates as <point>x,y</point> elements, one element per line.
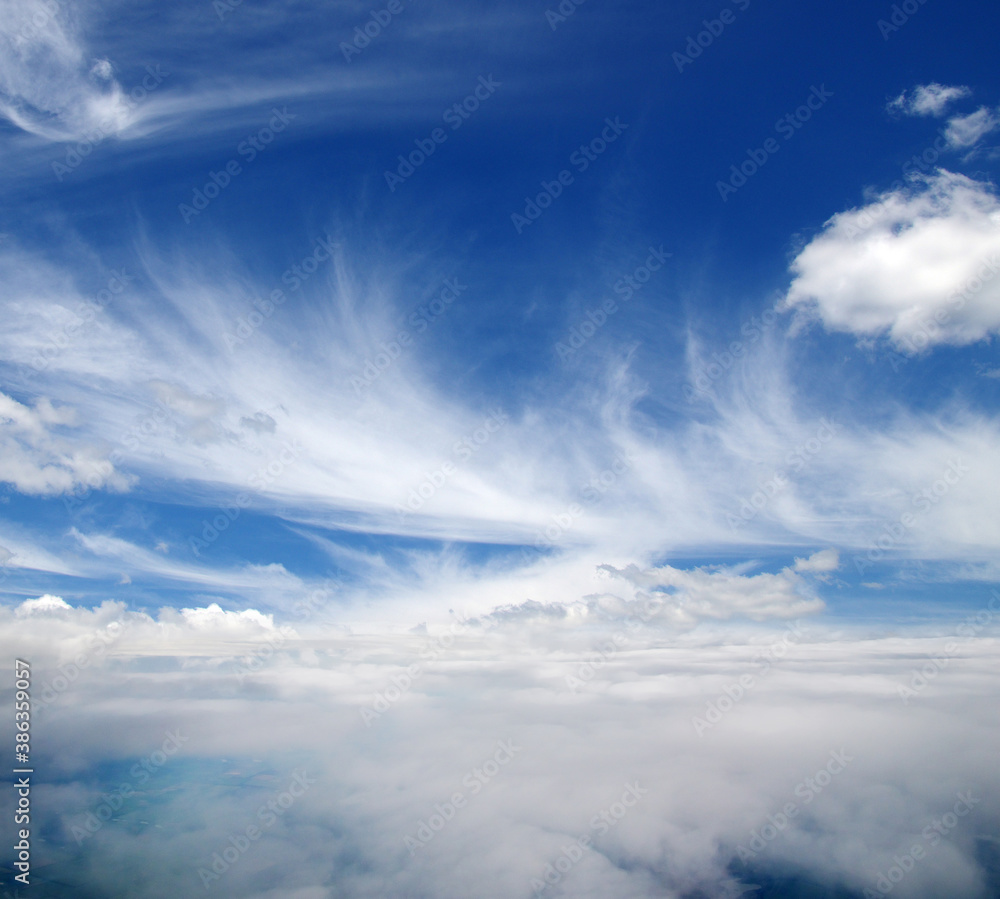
<point>507,758</point>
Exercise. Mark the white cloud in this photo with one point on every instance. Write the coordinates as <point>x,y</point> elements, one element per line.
<point>215,618</point>
<point>102,69</point>
<point>251,577</point>
<point>965,131</point>
<point>919,264</point>
<point>823,561</point>
<point>47,87</point>
<point>185,409</point>
<point>44,605</point>
<point>270,704</point>
<point>36,458</point>
<point>928,99</point>
<point>690,596</point>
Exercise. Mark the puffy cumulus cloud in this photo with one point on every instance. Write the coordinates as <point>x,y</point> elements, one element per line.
<point>928,99</point>
<point>36,459</point>
<point>919,264</point>
<point>47,85</point>
<point>824,561</point>
<point>965,131</point>
<point>724,593</point>
<point>70,647</point>
<point>699,765</point>
<point>46,605</point>
<point>215,618</point>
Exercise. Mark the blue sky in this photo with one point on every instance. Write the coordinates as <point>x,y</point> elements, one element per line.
<point>500,308</point>
<point>168,113</point>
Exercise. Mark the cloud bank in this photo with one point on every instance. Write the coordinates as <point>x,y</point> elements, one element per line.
<point>497,761</point>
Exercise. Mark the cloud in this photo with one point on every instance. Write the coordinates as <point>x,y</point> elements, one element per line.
<point>965,131</point>
<point>250,577</point>
<point>47,86</point>
<point>825,560</point>
<point>261,423</point>
<point>961,131</point>
<point>700,593</point>
<point>918,264</point>
<point>38,459</point>
<point>757,723</point>
<point>215,618</point>
<point>45,605</point>
<point>928,99</point>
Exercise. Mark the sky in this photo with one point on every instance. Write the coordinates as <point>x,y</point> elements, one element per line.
<point>579,373</point>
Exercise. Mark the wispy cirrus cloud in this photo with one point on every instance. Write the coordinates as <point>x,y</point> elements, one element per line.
<point>50,86</point>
